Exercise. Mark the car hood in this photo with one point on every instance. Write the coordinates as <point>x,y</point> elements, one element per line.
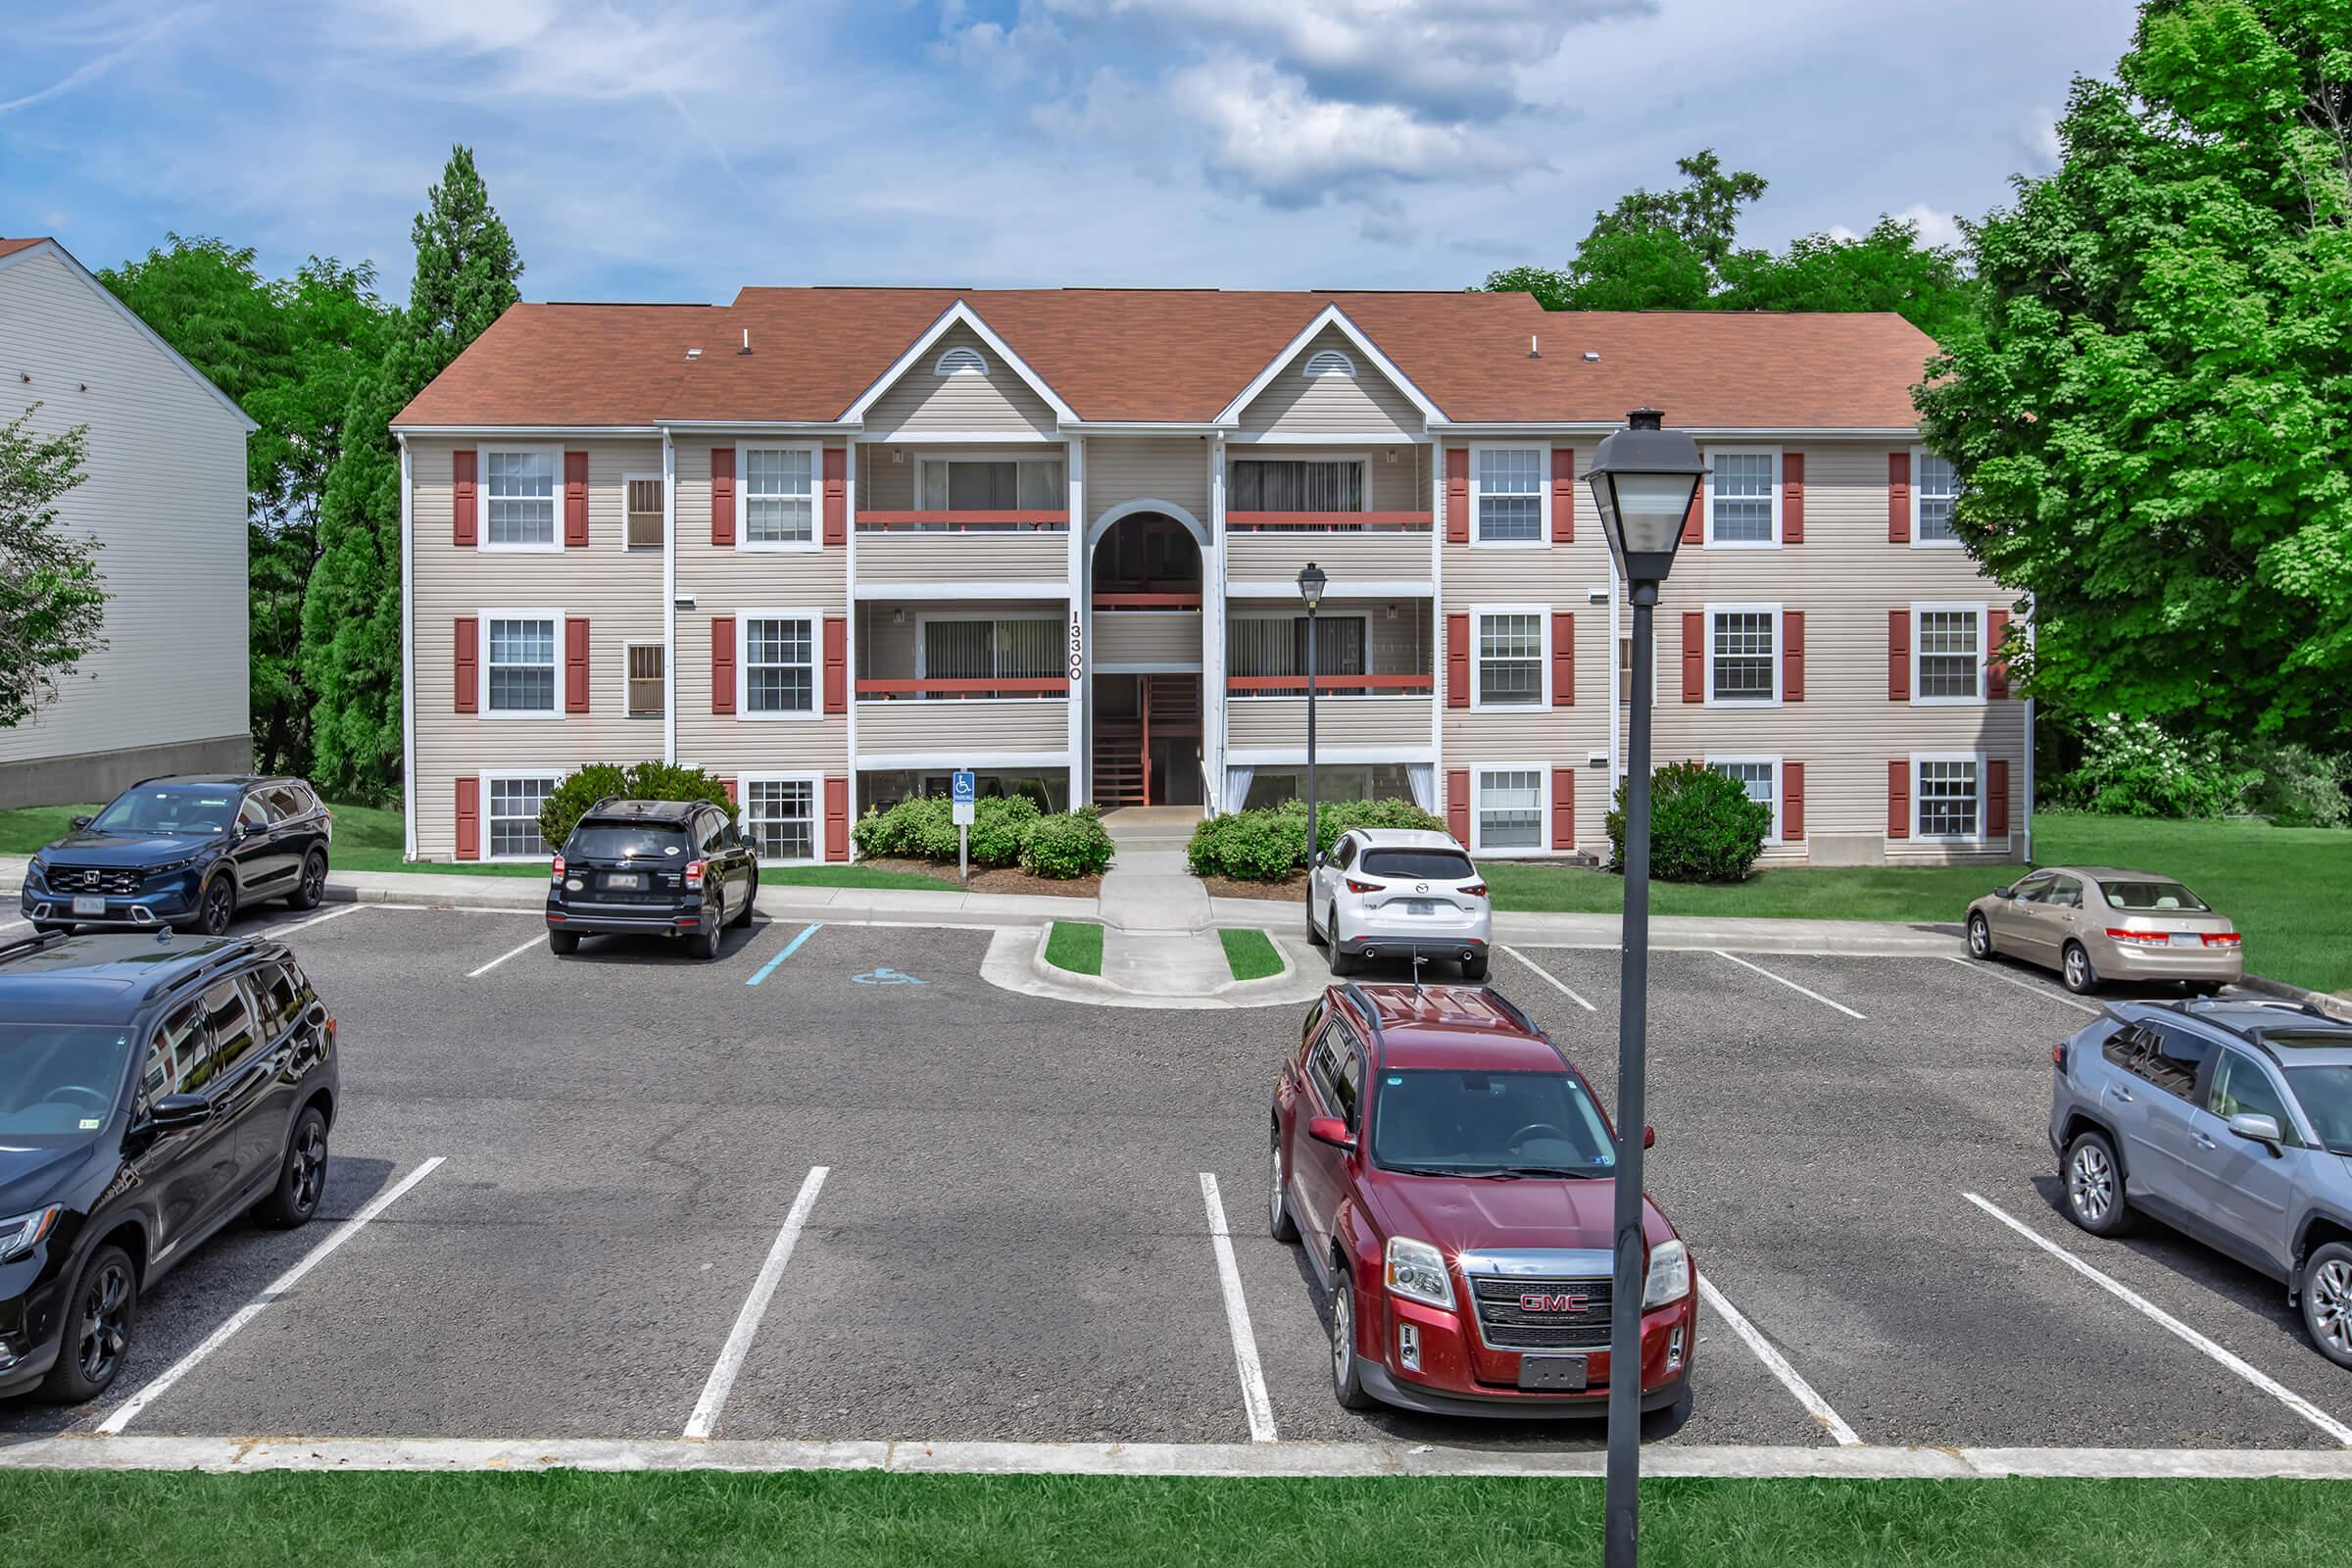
<point>85,847</point>
<point>1458,1214</point>
<point>32,1174</point>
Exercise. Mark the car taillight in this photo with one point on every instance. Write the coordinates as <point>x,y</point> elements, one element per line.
<point>2141,939</point>
<point>1354,886</point>
<point>693,873</point>
<point>2058,1055</point>
<point>556,874</point>
<point>2224,939</point>
<point>1476,890</point>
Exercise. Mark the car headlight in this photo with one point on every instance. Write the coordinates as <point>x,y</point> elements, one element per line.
<point>20,1235</point>
<point>1669,1275</point>
<point>1417,1272</point>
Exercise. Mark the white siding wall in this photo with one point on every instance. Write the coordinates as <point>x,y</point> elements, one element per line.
<point>1172,469</point>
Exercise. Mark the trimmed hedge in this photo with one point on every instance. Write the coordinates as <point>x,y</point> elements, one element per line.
<point>1266,846</point>
<point>1065,845</point>
<point>569,801</point>
<point>1702,826</point>
<point>922,827</point>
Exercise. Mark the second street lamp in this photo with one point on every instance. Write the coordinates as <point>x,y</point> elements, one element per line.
<point>1643,481</point>
<point>1310,589</point>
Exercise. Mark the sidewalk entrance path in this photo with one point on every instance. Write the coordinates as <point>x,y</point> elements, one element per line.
<point>1157,938</point>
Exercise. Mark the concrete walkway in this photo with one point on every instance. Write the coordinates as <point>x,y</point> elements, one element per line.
<point>1158,937</point>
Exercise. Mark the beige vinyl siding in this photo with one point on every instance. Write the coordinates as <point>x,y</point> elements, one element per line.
<point>165,497</point>
<point>948,731</point>
<point>921,400</point>
<point>1169,638</point>
<point>1296,404</point>
<point>887,474</point>
<point>1024,556</point>
<point>1174,470</point>
<point>1278,556</point>
<point>1279,723</point>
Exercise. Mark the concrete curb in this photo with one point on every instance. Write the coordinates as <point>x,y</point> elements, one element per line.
<point>1017,962</point>
<point>2328,1002</point>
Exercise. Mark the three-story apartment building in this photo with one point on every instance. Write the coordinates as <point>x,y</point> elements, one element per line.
<point>831,544</point>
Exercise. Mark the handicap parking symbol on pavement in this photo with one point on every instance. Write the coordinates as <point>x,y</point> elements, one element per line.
<point>886,976</point>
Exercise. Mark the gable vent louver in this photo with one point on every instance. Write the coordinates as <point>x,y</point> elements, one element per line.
<point>960,362</point>
<point>1330,362</point>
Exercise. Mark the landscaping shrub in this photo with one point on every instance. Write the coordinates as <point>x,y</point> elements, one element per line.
<point>1067,844</point>
<point>1702,826</point>
<point>2132,767</point>
<point>2300,788</point>
<point>999,824</point>
<point>569,801</point>
<point>1335,817</point>
<point>1268,844</point>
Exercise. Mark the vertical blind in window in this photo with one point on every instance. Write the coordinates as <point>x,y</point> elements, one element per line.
<point>1267,645</point>
<point>1024,484</point>
<point>988,650</point>
<point>1261,484</point>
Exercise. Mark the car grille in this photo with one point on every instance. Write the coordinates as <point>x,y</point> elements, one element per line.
<point>113,879</point>
<point>1509,1325</point>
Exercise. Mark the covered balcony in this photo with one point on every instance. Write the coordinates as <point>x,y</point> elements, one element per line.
<point>1363,518</point>
<point>992,516</point>
<point>970,678</point>
<point>1374,676</point>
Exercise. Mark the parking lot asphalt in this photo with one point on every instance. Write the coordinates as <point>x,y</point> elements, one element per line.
<point>1009,1238</point>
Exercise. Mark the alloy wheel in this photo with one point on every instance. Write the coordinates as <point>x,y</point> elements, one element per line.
<point>313,879</point>
<point>104,1329</point>
<point>220,905</point>
<point>1343,1339</point>
<point>2331,1287</point>
<point>310,1166</point>
<point>1274,1184</point>
<point>1979,937</point>
<point>2078,968</point>
<point>2090,1183</point>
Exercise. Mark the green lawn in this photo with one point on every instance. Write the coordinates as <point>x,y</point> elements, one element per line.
<point>1249,953</point>
<point>1075,946</point>
<point>834,1520</point>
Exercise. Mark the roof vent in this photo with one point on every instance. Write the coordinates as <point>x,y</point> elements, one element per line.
<point>1533,352</point>
<point>746,342</point>
<point>694,354</point>
<point>1330,362</point>
<point>1592,356</point>
<point>960,362</point>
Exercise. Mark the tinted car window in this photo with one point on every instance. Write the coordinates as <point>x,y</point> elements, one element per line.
<point>277,998</point>
<point>2171,1057</point>
<point>169,809</point>
<point>286,801</point>
<point>2065,894</point>
<point>228,1011</point>
<point>58,1081</point>
<point>175,1054</point>
<point>713,830</point>
<point>1422,865</point>
<point>2326,1095</point>
<point>254,813</point>
<point>1472,1120</point>
<point>615,841</point>
<point>2032,888</point>
<point>2241,1089</point>
<point>2123,1046</point>
<point>1352,1084</point>
<point>2151,898</point>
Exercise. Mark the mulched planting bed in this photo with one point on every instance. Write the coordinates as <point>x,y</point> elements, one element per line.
<point>997,879</point>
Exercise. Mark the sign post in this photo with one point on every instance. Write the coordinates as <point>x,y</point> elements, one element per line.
<point>964,790</point>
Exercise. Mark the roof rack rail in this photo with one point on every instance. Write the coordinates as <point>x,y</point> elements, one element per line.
<point>203,971</point>
<point>31,944</point>
<point>1517,1014</point>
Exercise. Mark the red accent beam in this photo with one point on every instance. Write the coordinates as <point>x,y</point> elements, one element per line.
<point>1046,686</point>
<point>1190,601</point>
<point>1331,683</point>
<point>1326,521</point>
<point>961,521</point>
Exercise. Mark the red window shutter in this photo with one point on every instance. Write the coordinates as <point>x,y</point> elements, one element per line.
<point>1457,495</point>
<point>576,500</point>
<point>1695,656</point>
<point>722,663</point>
<point>1996,798</point>
<point>1564,808</point>
<point>465,498</point>
<point>1792,498</point>
<point>575,665</point>
<point>722,496</point>
<point>1898,799</point>
<point>1563,659</point>
<point>469,820</point>
<point>837,495</point>
<point>837,663</point>
<point>469,672</point>
<point>1457,804</point>
<point>1898,498</point>
<point>1793,802</point>
<point>837,819</point>
<point>733,799</point>
<point>1695,521</point>
<point>1563,495</point>
<point>1996,672</point>
<point>1898,656</point>
<point>1457,660</point>
<point>1792,655</point>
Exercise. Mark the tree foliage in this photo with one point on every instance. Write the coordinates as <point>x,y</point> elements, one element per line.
<point>2154,427</point>
<point>465,276</point>
<point>52,606</point>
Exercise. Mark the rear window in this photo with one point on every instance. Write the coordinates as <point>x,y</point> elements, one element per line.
<point>2151,898</point>
<point>1422,865</point>
<point>616,841</point>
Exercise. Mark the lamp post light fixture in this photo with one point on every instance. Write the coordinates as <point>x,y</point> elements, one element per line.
<point>1643,481</point>
<point>1310,589</point>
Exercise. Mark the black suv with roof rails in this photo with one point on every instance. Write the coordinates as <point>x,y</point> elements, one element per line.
<point>183,851</point>
<point>152,1088</point>
<point>669,868</point>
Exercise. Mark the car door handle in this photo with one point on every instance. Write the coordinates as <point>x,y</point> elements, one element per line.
<point>2124,1096</point>
<point>2202,1141</point>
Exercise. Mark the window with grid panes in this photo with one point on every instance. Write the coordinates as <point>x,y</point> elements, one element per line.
<point>779,816</point>
<point>1946,793</point>
<point>1757,779</point>
<point>1510,494</point>
<point>1948,653</point>
<point>645,514</point>
<point>522,666</point>
<point>1744,656</point>
<point>646,667</point>
<point>1510,660</point>
<point>780,495</point>
<point>779,666</point>
<point>512,811</point>
<point>1938,489</point>
<point>518,491</point>
<point>1510,808</point>
<point>1739,502</point>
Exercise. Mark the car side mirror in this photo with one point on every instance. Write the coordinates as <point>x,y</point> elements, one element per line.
<point>1330,1130</point>
<point>81,821</point>
<point>177,1112</point>
<point>2257,1128</point>
<point>1649,1138</point>
<point>1322,858</point>
<point>2004,893</point>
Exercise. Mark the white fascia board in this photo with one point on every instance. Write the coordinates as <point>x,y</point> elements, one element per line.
<point>959,313</point>
<point>757,427</point>
<point>892,761</point>
<point>1039,588</point>
<point>1148,426</point>
<point>1338,587</point>
<point>1331,315</point>
<point>505,430</point>
<point>50,247</point>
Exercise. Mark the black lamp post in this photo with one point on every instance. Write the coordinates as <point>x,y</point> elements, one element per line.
<point>1310,589</point>
<point>1642,481</point>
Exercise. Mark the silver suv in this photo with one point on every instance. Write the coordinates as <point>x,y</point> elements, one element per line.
<point>2228,1120</point>
<point>1397,893</point>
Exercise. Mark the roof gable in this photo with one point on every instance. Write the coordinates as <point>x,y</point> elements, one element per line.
<point>18,252</point>
<point>959,322</point>
<point>1330,320</point>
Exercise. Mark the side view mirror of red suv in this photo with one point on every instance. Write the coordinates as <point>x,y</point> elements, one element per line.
<point>1649,1138</point>
<point>1330,1130</point>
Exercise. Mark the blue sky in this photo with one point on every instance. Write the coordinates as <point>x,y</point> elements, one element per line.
<point>678,149</point>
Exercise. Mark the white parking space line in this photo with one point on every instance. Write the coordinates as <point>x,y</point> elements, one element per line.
<point>1554,979</point>
<point>1778,1365</point>
<point>1980,967</point>
<point>316,919</point>
<point>705,1420</point>
<point>2173,1325</point>
<point>129,1410</point>
<point>510,953</point>
<point>1255,1402</point>
<point>1791,984</point>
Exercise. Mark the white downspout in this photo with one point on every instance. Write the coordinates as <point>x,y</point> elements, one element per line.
<point>408,655</point>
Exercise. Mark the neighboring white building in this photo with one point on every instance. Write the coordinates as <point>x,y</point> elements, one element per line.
<point>166,496</point>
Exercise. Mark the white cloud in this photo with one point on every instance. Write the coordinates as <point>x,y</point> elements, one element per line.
<point>1935,227</point>
<point>2037,135</point>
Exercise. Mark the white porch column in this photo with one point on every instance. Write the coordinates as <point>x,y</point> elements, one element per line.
<point>1080,652</point>
<point>1213,632</point>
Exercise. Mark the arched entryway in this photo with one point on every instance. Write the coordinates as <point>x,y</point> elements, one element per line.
<point>1144,708</point>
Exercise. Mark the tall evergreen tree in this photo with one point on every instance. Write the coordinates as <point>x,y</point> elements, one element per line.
<point>465,278</point>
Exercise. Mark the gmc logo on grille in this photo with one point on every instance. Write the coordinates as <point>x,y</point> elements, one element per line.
<point>1545,1301</point>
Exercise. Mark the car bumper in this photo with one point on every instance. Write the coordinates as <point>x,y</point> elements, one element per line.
<point>1448,1381</point>
<point>624,920</point>
<point>25,1358</point>
<point>2217,965</point>
<point>1430,938</point>
<point>137,911</point>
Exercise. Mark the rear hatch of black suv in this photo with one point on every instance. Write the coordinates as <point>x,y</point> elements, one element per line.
<point>626,868</point>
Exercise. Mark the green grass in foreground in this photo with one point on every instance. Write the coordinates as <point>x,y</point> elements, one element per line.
<point>1249,953</point>
<point>713,1520</point>
<point>1075,946</point>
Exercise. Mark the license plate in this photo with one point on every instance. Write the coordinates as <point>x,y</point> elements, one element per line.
<point>1420,906</point>
<point>1551,1372</point>
<point>90,904</point>
<point>2186,939</point>
<point>629,880</point>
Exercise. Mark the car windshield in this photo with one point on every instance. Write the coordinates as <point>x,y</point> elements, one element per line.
<point>169,809</point>
<point>1423,866</point>
<point>2152,898</point>
<point>2325,1095</point>
<point>58,1082</point>
<point>615,841</point>
<point>1473,1123</point>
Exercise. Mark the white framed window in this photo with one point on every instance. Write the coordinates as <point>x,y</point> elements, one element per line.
<point>1743,654</point>
<point>1934,489</point>
<point>963,647</point>
<point>1510,496</point>
<point>775,663</point>
<point>1762,777</point>
<point>1947,796</point>
<point>1295,483</point>
<point>1743,497</point>
<point>775,504</point>
<point>963,360</point>
<point>1274,643</point>
<point>1625,669</point>
<point>991,484</point>
<point>643,511</point>
<point>1947,654</point>
<point>1330,362</point>
<point>519,498</point>
<point>510,804</point>
<point>778,814</point>
<point>1510,649</point>
<point>643,679</point>
<point>1509,805</point>
<point>521,653</point>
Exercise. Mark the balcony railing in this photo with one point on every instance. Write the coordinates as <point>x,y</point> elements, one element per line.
<point>1189,600</point>
<point>1327,521</point>
<point>1329,685</point>
<point>1001,686</point>
<point>964,520</point>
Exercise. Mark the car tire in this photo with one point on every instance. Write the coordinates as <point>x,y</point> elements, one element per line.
<point>712,936</point>
<point>1342,962</point>
<point>1279,1223</point>
<point>1979,937</point>
<point>100,1315</point>
<point>2075,971</point>
<point>310,889</point>
<point>751,900</point>
<point>301,1175</point>
<point>1314,932</point>
<point>1474,972</point>
<point>562,943</point>
<point>215,907</point>
<point>2092,1179</point>
<point>1346,1379</point>
<point>2327,1302</point>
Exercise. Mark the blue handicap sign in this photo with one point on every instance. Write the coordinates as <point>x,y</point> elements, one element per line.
<point>886,976</point>
<point>965,787</point>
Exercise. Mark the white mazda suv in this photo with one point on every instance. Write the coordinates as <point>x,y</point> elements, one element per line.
<point>1398,893</point>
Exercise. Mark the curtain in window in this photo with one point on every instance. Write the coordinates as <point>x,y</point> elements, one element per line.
<point>1028,650</point>
<point>1236,787</point>
<point>1424,779</point>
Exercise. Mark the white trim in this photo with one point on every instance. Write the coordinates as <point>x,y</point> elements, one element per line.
<point>744,543</point>
<point>817,811</point>
<point>1542,538</point>
<point>482,783</point>
<point>912,762</point>
<point>1054,590</point>
<point>627,642</point>
<point>1336,756</point>
<point>1919,466</point>
<point>1439,620</point>
<point>1981,758</point>
<point>1333,363</point>
<point>1918,610</point>
<point>408,649</point>
<point>1728,760</point>
<point>1708,541</point>
<point>507,432</point>
<point>1338,588</point>
<point>555,509</point>
<point>1127,508</point>
<point>1330,315</point>
<point>953,315</point>
<point>817,663</point>
<point>1392,437</point>
<point>1541,847</point>
<point>1030,437</point>
<point>626,480</point>
<point>1779,651</point>
<point>50,247</point>
<point>481,659</point>
<point>961,359</point>
<point>1542,614</point>
<point>669,598</point>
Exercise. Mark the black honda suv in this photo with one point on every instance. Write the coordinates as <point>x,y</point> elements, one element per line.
<point>152,1088</point>
<point>672,869</point>
<point>183,851</point>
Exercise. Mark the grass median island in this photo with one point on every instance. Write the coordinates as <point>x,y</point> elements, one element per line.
<point>1075,946</point>
<point>572,1519</point>
<point>1249,953</point>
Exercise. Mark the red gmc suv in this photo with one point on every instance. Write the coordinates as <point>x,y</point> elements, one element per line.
<point>1451,1175</point>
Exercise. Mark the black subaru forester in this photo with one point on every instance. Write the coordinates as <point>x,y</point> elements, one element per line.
<point>669,868</point>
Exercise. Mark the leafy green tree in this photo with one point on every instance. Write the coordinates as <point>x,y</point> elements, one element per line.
<point>1886,270</point>
<point>464,279</point>
<point>52,607</point>
<point>2154,427</point>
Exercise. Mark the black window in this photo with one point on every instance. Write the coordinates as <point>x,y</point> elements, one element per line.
<point>176,1052</point>
<point>287,802</point>
<point>1347,855</point>
<point>1352,1083</point>
<point>2240,1087</point>
<point>713,828</point>
<point>2123,1046</point>
<point>1425,865</point>
<point>616,841</point>
<point>228,1013</point>
<point>2171,1057</point>
<point>1338,1068</point>
<point>277,998</point>
<point>1314,1016</point>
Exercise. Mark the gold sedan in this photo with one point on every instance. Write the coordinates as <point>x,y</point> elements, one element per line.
<point>2096,922</point>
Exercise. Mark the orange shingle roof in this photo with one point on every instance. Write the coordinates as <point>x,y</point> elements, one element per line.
<point>10,247</point>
